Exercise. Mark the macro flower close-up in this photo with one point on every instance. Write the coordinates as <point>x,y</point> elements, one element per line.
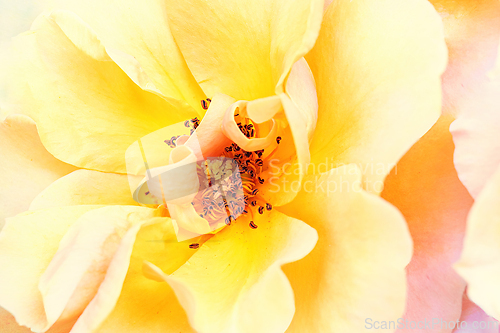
<point>249,166</point>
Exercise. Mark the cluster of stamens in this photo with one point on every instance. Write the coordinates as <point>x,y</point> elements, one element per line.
<point>191,124</point>
<point>250,166</point>
<point>221,198</point>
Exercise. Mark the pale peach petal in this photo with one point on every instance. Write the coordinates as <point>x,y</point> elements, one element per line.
<point>9,325</point>
<point>144,305</point>
<point>80,265</point>
<point>26,168</point>
<point>479,263</point>
<point>472,33</point>
<point>28,243</point>
<point>476,134</point>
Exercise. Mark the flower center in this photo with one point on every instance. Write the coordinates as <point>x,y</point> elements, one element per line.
<point>222,198</point>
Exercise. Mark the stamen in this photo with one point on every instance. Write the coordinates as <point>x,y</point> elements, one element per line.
<point>251,165</point>
<point>205,103</point>
<point>196,122</point>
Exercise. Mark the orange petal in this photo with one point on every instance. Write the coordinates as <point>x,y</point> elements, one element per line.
<point>424,186</point>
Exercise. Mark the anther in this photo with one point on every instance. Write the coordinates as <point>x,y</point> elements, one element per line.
<point>253,225</point>
<point>194,246</point>
<point>205,104</point>
<point>261,210</point>
<point>269,206</point>
<point>278,139</point>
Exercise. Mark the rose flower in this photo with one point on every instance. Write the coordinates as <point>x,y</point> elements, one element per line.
<point>280,87</point>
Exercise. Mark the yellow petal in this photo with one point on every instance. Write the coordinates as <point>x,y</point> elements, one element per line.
<point>141,30</point>
<point>234,282</point>
<point>26,167</point>
<point>300,108</point>
<point>144,304</point>
<point>85,252</point>
<point>479,264</point>
<point>377,66</point>
<point>244,49</point>
<point>233,132</point>
<point>300,105</point>
<point>87,187</point>
<point>88,111</point>
<point>27,244</point>
<point>357,270</point>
